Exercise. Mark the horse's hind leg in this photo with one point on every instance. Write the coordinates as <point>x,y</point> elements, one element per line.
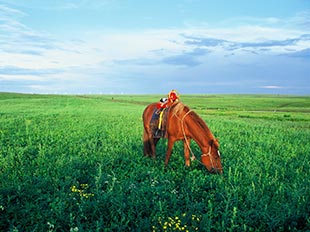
<point>146,144</point>
<point>149,144</point>
<point>147,148</point>
<point>153,146</point>
<point>169,149</point>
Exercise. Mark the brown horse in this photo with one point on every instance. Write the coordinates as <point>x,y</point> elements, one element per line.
<point>183,124</point>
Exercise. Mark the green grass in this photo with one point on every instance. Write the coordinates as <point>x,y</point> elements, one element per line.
<point>75,163</point>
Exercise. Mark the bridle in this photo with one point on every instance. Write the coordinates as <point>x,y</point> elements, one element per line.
<point>211,158</point>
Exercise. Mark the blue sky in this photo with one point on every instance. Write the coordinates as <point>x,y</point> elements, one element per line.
<point>138,47</point>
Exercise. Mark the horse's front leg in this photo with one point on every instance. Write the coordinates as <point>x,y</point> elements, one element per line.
<point>171,141</point>
<point>186,143</point>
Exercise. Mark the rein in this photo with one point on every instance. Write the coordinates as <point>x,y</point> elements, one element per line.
<point>184,135</point>
<point>188,145</point>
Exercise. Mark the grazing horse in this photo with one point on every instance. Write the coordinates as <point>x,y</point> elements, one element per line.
<point>183,124</point>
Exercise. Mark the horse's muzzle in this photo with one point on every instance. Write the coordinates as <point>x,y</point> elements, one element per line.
<point>216,171</point>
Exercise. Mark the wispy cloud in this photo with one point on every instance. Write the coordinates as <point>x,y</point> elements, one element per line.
<point>17,38</point>
<point>272,87</point>
<point>257,46</point>
<point>305,53</point>
<point>301,20</point>
<point>65,5</point>
<point>183,58</point>
<point>204,41</point>
<point>187,58</point>
<point>6,12</point>
<point>13,70</point>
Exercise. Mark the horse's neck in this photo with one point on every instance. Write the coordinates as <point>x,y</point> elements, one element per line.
<point>200,132</point>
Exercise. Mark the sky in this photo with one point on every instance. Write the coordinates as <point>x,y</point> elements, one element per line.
<point>147,47</point>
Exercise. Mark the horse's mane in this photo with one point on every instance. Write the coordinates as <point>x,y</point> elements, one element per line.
<point>179,107</point>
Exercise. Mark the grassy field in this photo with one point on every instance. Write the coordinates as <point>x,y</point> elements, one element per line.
<point>75,163</point>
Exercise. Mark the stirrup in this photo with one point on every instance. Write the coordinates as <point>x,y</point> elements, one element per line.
<point>158,133</point>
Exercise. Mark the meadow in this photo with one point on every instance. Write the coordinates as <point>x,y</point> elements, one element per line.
<point>75,163</point>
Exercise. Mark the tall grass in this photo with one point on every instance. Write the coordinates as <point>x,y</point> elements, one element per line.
<point>75,163</point>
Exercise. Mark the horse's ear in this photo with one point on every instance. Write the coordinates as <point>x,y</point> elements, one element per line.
<point>214,142</point>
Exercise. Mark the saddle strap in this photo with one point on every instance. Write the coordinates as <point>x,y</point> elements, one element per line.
<point>161,118</point>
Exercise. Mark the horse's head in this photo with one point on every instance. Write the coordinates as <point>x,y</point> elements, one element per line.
<point>212,159</point>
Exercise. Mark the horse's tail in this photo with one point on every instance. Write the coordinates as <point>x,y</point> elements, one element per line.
<point>147,136</point>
